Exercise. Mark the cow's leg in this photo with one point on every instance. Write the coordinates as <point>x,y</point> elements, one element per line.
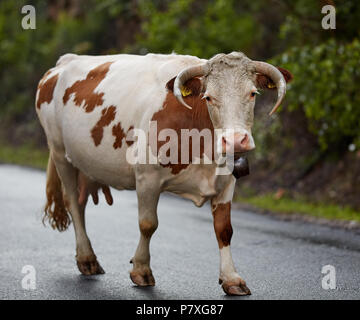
<point>85,256</point>
<point>148,198</point>
<point>231,282</point>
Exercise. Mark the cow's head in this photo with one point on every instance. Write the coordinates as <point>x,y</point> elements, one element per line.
<point>230,83</point>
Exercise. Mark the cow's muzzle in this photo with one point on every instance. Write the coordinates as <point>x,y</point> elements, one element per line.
<point>237,142</point>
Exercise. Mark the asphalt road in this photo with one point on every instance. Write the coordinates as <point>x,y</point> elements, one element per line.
<point>278,259</point>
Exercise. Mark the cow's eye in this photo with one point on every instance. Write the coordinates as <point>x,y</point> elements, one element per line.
<point>209,98</point>
<point>254,93</point>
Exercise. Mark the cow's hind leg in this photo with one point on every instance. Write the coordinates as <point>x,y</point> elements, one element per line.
<point>230,280</point>
<point>85,256</point>
<point>148,198</point>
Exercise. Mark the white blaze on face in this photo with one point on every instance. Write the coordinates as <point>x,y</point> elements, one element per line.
<point>230,97</point>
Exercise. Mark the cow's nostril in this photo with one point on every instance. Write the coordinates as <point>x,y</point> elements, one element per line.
<point>244,140</point>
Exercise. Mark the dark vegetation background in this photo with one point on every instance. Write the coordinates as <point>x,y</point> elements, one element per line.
<point>309,151</point>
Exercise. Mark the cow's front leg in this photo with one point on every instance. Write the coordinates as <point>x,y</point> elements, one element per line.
<point>148,198</point>
<point>231,282</point>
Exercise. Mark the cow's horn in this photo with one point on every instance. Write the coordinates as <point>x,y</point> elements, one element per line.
<point>276,76</point>
<point>186,74</point>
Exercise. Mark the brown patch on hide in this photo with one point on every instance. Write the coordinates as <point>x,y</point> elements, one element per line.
<point>119,135</point>
<point>130,142</point>
<point>83,90</point>
<point>107,116</point>
<point>222,223</point>
<point>46,89</point>
<point>174,115</point>
<point>44,77</point>
<point>264,82</point>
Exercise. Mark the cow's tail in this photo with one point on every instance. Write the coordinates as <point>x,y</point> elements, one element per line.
<point>56,212</point>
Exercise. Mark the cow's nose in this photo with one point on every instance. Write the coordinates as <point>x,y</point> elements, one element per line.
<point>237,142</point>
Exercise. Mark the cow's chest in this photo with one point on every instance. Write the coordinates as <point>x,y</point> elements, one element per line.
<point>198,183</point>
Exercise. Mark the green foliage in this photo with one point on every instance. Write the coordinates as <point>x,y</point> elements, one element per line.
<point>326,86</point>
<point>302,23</point>
<point>27,54</point>
<point>201,28</point>
<point>25,155</point>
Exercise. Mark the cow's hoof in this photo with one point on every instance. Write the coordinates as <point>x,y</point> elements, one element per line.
<point>236,288</point>
<point>90,267</point>
<point>142,278</point>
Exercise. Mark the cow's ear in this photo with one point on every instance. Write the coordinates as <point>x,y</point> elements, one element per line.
<point>192,87</point>
<point>264,82</point>
<point>170,84</point>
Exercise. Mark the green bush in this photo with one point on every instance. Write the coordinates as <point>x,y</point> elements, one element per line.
<point>200,28</point>
<point>27,54</point>
<point>326,86</point>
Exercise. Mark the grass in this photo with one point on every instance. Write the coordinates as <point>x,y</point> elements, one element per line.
<point>25,155</point>
<point>286,205</point>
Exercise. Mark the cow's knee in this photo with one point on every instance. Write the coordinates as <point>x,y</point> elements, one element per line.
<point>147,227</point>
<point>141,273</point>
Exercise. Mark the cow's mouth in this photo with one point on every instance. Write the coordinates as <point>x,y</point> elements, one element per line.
<point>236,155</point>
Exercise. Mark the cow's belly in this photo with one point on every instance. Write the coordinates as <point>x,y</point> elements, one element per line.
<point>104,168</point>
<point>101,163</point>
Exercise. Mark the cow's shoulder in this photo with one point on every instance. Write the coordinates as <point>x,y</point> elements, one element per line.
<point>173,115</point>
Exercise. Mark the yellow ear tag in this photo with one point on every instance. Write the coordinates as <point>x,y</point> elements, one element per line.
<point>271,86</point>
<point>185,91</point>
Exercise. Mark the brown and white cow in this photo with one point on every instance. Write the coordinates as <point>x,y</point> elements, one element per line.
<point>90,105</point>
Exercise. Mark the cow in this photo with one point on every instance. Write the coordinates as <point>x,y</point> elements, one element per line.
<point>90,107</point>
